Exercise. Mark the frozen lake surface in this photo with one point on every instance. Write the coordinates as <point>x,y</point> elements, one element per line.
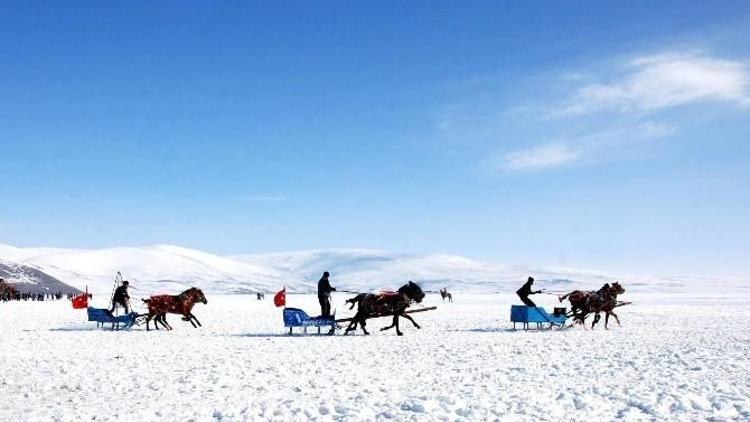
<point>675,357</point>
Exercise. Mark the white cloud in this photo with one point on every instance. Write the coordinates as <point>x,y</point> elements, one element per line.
<point>666,80</point>
<point>636,93</point>
<point>589,148</point>
<point>546,156</point>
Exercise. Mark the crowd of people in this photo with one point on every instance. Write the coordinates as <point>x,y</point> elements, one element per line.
<point>9,293</point>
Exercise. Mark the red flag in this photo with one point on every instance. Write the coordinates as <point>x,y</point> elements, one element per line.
<point>279,299</point>
<point>81,301</point>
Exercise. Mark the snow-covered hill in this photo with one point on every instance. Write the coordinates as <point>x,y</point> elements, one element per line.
<point>164,268</point>
<point>151,269</point>
<point>362,269</point>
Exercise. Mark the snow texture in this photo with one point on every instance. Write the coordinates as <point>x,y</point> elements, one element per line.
<point>676,357</point>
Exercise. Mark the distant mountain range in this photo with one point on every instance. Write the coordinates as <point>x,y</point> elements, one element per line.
<point>169,269</point>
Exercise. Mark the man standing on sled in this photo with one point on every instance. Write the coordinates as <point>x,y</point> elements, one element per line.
<point>324,295</point>
<point>121,297</point>
<point>525,291</point>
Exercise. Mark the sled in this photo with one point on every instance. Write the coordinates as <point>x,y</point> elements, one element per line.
<point>295,317</point>
<point>536,314</point>
<point>103,316</point>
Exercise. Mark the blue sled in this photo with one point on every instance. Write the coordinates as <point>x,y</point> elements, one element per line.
<point>102,316</point>
<point>294,317</point>
<point>526,314</point>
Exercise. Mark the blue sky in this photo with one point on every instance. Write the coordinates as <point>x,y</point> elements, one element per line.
<point>611,135</point>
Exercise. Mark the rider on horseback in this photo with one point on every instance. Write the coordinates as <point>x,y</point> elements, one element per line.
<point>525,291</point>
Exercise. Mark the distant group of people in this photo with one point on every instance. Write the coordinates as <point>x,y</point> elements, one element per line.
<point>8,293</point>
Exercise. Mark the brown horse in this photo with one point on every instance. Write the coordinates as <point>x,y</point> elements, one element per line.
<point>607,305</point>
<point>583,303</point>
<point>380,304</point>
<point>159,306</point>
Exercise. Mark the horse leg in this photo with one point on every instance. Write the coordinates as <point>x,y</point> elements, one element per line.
<point>353,323</point>
<point>616,318</point>
<point>393,324</point>
<point>395,321</point>
<point>407,316</point>
<point>186,317</point>
<point>148,319</point>
<point>163,319</point>
<point>350,327</point>
<point>196,319</point>
<point>597,316</point>
<point>362,325</point>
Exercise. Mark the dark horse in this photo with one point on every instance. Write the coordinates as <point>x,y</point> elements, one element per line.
<point>380,304</point>
<point>607,304</point>
<point>583,303</point>
<point>444,294</point>
<point>159,306</point>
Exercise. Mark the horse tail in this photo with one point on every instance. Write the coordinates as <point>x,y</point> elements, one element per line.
<point>356,300</point>
<point>353,301</point>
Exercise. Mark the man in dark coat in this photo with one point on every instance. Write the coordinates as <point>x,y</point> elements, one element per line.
<point>525,291</point>
<point>121,297</point>
<point>324,295</point>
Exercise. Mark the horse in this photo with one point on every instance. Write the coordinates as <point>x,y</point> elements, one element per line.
<point>444,294</point>
<point>389,303</point>
<point>607,305</point>
<point>159,306</point>
<point>260,296</point>
<point>583,303</point>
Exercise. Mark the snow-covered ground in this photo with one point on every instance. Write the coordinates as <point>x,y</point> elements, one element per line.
<point>676,357</point>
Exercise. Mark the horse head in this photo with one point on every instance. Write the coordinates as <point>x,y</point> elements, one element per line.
<point>412,291</point>
<point>194,294</point>
<point>616,288</point>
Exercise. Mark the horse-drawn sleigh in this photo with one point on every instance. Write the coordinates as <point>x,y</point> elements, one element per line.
<point>583,304</point>
<point>369,305</point>
<point>158,308</point>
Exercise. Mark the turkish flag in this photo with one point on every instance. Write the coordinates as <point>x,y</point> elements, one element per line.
<point>279,299</point>
<point>81,301</point>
